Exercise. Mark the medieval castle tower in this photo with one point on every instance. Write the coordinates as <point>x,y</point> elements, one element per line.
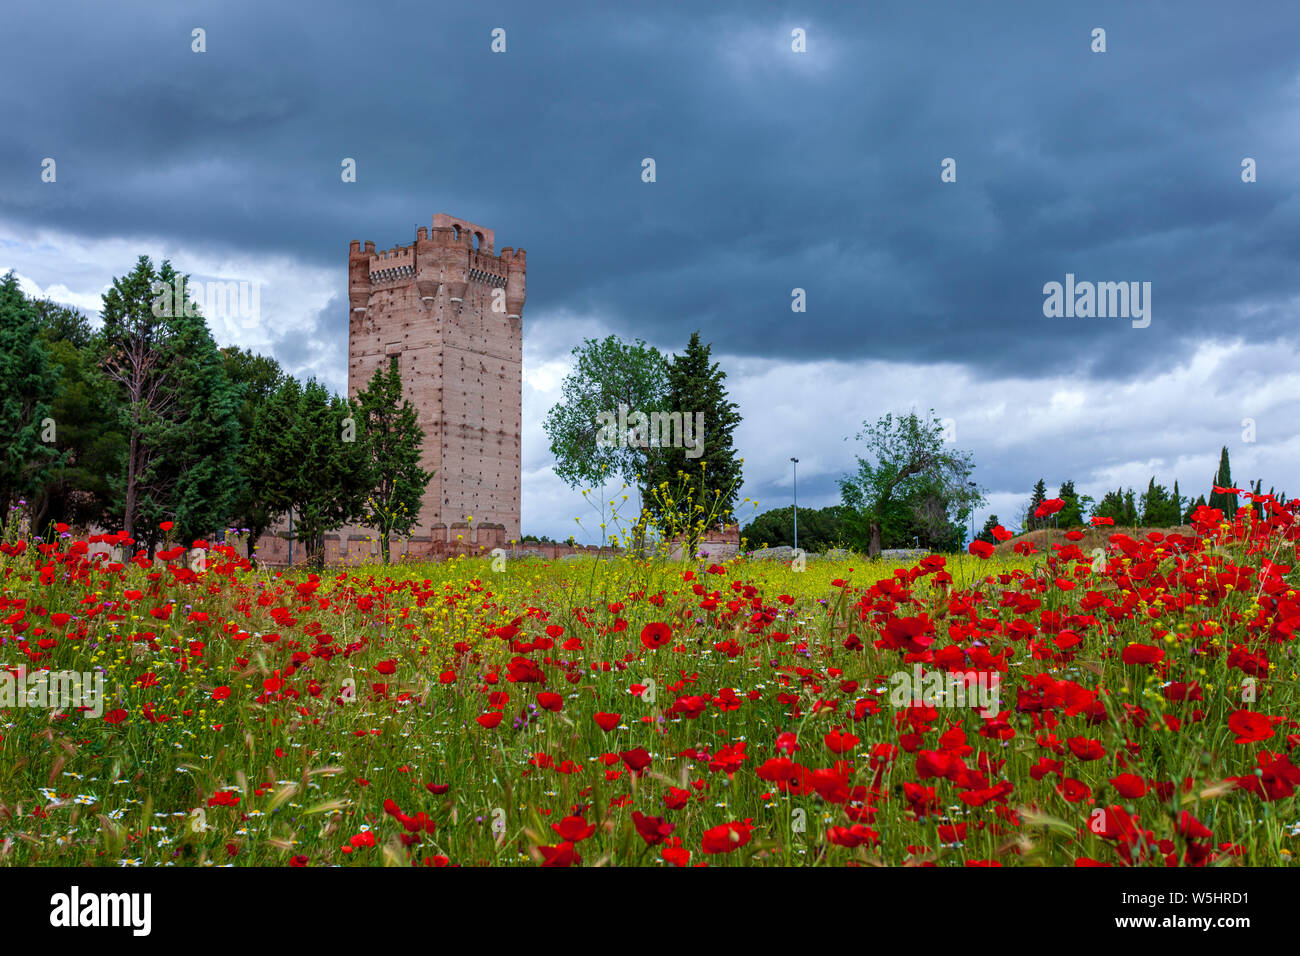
<point>447,309</point>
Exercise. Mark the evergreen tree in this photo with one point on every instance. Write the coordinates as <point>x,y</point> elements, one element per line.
<point>179,412</point>
<point>688,486</point>
<point>1159,509</point>
<point>80,490</point>
<point>393,442</point>
<point>1036,498</point>
<point>28,383</point>
<point>312,460</point>
<point>205,436</point>
<point>255,379</point>
<point>1071,513</point>
<point>1226,502</point>
<point>987,533</point>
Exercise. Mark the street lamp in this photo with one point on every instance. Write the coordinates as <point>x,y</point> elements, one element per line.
<point>796,503</point>
<point>972,514</point>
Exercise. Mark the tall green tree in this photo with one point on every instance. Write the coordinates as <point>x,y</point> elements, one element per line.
<point>179,412</point>
<point>311,450</point>
<point>703,479</point>
<point>28,384</point>
<point>607,373</point>
<point>80,489</point>
<point>1226,502</point>
<point>1036,498</point>
<point>1072,512</point>
<point>905,458</point>
<point>393,443</point>
<point>986,533</point>
<point>255,379</point>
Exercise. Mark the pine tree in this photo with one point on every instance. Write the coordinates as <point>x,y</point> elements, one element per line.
<point>393,442</point>
<point>28,384</point>
<point>687,487</point>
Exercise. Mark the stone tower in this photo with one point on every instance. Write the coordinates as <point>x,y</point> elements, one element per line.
<point>447,308</point>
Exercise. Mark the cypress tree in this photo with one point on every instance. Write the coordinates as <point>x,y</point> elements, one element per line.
<point>703,481</point>
<point>393,440</point>
<point>1226,502</point>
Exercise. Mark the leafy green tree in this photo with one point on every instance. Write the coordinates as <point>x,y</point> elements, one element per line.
<point>393,443</point>
<point>702,481</point>
<point>28,384</point>
<point>313,456</point>
<point>905,458</point>
<point>819,528</point>
<point>607,373</point>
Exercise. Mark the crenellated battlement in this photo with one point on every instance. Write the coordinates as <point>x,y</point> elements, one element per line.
<point>447,256</point>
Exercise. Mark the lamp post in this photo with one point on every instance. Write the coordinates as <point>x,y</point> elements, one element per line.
<point>796,503</point>
<point>972,514</point>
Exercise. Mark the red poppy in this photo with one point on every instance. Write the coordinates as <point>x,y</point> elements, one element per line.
<point>1249,726</point>
<point>656,635</point>
<point>606,722</point>
<point>981,549</point>
<point>1049,507</point>
<point>1086,749</point>
<point>574,829</point>
<point>726,837</point>
<point>652,830</point>
<point>636,759</point>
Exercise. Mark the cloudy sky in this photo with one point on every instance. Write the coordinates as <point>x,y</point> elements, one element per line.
<point>775,170</point>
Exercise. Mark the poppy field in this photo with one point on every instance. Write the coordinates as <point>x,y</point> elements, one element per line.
<point>624,712</point>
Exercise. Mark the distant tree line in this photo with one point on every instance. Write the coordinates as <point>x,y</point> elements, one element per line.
<point>1157,507</point>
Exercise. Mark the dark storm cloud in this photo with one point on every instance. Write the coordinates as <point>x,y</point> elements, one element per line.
<point>775,170</point>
